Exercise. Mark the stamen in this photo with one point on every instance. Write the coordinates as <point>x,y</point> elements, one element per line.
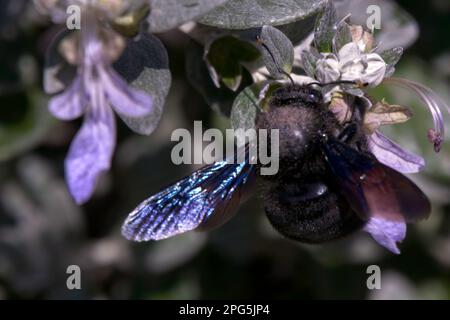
<point>434,104</point>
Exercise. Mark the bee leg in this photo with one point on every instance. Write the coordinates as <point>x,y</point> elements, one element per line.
<point>352,134</point>
<point>349,133</point>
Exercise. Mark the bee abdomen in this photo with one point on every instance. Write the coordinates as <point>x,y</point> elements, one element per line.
<point>310,212</point>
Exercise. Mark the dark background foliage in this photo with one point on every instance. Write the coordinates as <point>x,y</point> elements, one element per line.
<point>42,231</point>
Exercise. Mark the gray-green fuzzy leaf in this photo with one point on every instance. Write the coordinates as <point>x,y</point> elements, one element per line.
<point>238,14</point>
<point>391,57</point>
<point>245,108</point>
<point>325,28</point>
<point>343,36</point>
<point>278,52</point>
<point>250,102</point>
<point>145,65</point>
<point>168,14</point>
<point>309,62</point>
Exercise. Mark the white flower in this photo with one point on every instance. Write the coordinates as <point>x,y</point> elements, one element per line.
<point>328,68</point>
<point>356,65</point>
<point>362,38</point>
<point>351,64</point>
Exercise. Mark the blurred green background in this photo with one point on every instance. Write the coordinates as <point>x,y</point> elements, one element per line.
<point>42,231</point>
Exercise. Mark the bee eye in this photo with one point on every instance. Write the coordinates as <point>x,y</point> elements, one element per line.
<point>313,98</point>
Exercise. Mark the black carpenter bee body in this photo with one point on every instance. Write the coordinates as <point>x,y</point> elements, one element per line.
<point>303,123</point>
<point>328,183</point>
<point>301,201</point>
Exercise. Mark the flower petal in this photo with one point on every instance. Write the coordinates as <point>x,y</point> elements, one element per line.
<point>369,69</point>
<point>349,53</point>
<point>386,233</point>
<point>71,103</point>
<point>125,100</point>
<point>327,69</point>
<point>362,38</point>
<point>340,106</point>
<point>90,153</point>
<point>375,71</point>
<point>383,113</point>
<point>393,155</point>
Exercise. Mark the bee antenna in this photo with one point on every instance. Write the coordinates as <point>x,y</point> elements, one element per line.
<point>280,70</point>
<point>356,83</point>
<point>314,83</point>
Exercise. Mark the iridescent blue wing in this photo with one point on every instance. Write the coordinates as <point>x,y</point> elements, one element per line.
<point>205,199</point>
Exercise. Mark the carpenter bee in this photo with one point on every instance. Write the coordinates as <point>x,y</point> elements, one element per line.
<point>327,186</point>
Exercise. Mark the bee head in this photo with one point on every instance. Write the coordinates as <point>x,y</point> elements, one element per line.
<point>298,95</point>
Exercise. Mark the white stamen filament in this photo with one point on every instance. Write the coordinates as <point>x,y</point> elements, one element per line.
<point>432,101</point>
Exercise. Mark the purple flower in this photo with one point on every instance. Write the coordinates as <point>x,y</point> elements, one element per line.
<point>386,233</point>
<point>389,233</point>
<point>95,92</point>
<point>393,155</point>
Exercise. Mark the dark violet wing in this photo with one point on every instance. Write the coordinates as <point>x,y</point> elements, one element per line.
<point>373,189</point>
<point>207,198</point>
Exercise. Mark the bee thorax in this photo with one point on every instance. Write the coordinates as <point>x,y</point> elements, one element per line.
<point>297,129</point>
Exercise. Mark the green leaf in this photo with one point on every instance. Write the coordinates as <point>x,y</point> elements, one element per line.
<point>298,31</point>
<point>325,28</point>
<point>168,14</point>
<point>309,61</point>
<point>58,73</point>
<point>145,66</point>
<point>252,100</point>
<point>219,99</point>
<point>278,52</point>
<point>238,14</point>
<point>224,58</point>
<point>245,108</point>
<point>391,57</point>
<point>24,123</point>
<point>343,36</point>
